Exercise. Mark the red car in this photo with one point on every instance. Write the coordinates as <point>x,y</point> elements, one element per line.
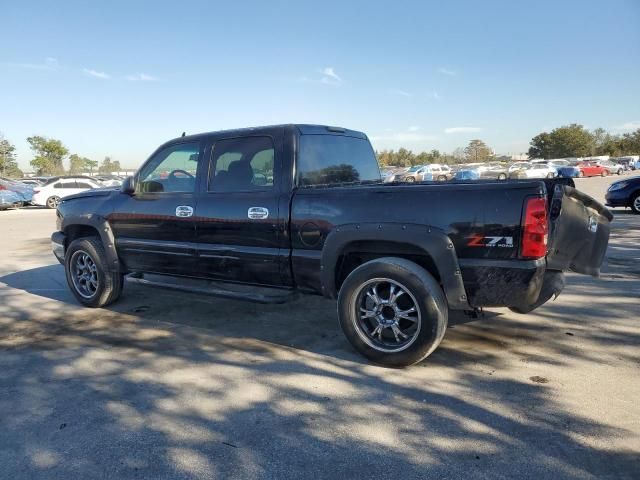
<point>592,169</point>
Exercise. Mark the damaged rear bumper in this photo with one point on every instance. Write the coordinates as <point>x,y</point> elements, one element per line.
<point>521,285</point>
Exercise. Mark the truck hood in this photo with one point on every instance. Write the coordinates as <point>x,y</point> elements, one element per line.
<point>95,192</point>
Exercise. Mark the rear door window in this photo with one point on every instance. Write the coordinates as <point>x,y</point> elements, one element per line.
<point>334,159</point>
<point>242,164</point>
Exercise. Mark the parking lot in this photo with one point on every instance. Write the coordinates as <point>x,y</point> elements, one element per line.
<point>172,385</point>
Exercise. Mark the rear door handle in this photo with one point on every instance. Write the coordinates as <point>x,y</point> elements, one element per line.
<point>184,211</point>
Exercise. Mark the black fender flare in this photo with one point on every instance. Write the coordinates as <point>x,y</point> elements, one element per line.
<point>433,241</point>
<point>101,225</point>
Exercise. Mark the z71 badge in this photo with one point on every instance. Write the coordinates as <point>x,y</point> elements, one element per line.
<point>486,241</point>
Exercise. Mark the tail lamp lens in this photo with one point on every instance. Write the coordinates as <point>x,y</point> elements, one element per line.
<point>535,229</point>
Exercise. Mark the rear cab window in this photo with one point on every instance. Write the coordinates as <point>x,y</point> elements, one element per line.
<point>326,159</point>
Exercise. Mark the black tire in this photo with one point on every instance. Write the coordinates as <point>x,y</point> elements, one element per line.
<point>421,290</point>
<point>410,179</point>
<point>550,175</point>
<point>109,284</point>
<point>635,203</point>
<point>502,177</point>
<point>53,201</point>
<point>442,178</point>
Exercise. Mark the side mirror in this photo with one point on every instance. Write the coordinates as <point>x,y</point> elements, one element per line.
<point>128,186</point>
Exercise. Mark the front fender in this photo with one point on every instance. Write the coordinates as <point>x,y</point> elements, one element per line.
<point>432,241</point>
<point>101,225</point>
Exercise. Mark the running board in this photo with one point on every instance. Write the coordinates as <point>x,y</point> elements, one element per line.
<point>212,289</point>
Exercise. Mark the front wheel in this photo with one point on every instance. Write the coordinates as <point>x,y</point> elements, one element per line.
<point>502,176</point>
<point>550,175</point>
<point>635,203</point>
<point>605,173</point>
<point>580,174</point>
<point>410,180</point>
<point>88,277</point>
<point>392,311</point>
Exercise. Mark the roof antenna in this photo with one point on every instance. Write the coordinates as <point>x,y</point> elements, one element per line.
<point>184,133</point>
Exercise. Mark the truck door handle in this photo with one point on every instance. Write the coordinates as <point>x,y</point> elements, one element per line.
<point>184,211</point>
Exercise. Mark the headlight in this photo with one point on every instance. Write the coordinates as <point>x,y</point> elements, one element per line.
<point>617,186</point>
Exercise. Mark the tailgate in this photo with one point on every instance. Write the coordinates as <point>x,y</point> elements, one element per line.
<point>579,232</point>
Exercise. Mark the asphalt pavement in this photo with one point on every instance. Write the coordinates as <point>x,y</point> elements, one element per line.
<point>167,385</point>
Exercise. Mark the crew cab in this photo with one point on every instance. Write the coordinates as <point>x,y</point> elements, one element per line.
<point>302,209</point>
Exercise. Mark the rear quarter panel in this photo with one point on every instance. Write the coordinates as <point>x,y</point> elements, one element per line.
<point>482,219</point>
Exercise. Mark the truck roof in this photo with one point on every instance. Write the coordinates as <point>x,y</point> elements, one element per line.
<point>304,129</point>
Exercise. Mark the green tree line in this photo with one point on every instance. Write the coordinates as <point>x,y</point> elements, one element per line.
<point>49,155</point>
<point>576,141</point>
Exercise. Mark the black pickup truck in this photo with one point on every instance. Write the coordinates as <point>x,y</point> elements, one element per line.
<point>301,208</point>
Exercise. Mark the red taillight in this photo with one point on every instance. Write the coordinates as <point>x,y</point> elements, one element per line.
<point>535,229</point>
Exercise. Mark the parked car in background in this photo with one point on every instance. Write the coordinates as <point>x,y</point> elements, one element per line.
<point>534,170</point>
<point>558,163</point>
<point>25,192</point>
<point>612,167</point>
<point>9,199</point>
<point>413,174</point>
<point>31,181</point>
<point>624,193</point>
<point>57,188</point>
<point>467,173</point>
<point>390,174</point>
<point>518,166</point>
<point>592,169</point>
<point>424,173</point>
<point>570,171</point>
<point>440,173</point>
<point>494,170</point>
<point>109,180</point>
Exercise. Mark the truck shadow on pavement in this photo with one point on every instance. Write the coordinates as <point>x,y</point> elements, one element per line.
<point>166,385</point>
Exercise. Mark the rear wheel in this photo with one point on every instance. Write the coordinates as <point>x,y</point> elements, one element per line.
<point>392,311</point>
<point>88,277</point>
<point>580,174</point>
<point>442,178</point>
<point>635,203</point>
<point>53,202</point>
<point>550,175</point>
<point>502,176</point>
<point>605,173</point>
<point>410,179</point>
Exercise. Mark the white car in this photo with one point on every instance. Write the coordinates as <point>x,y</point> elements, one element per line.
<point>537,170</point>
<point>518,166</point>
<point>57,188</point>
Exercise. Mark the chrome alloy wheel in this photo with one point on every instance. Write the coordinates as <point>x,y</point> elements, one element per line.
<point>84,274</point>
<point>53,202</point>
<point>386,315</point>
<point>636,204</point>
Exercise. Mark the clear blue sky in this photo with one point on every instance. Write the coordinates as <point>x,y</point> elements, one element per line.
<point>119,78</point>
